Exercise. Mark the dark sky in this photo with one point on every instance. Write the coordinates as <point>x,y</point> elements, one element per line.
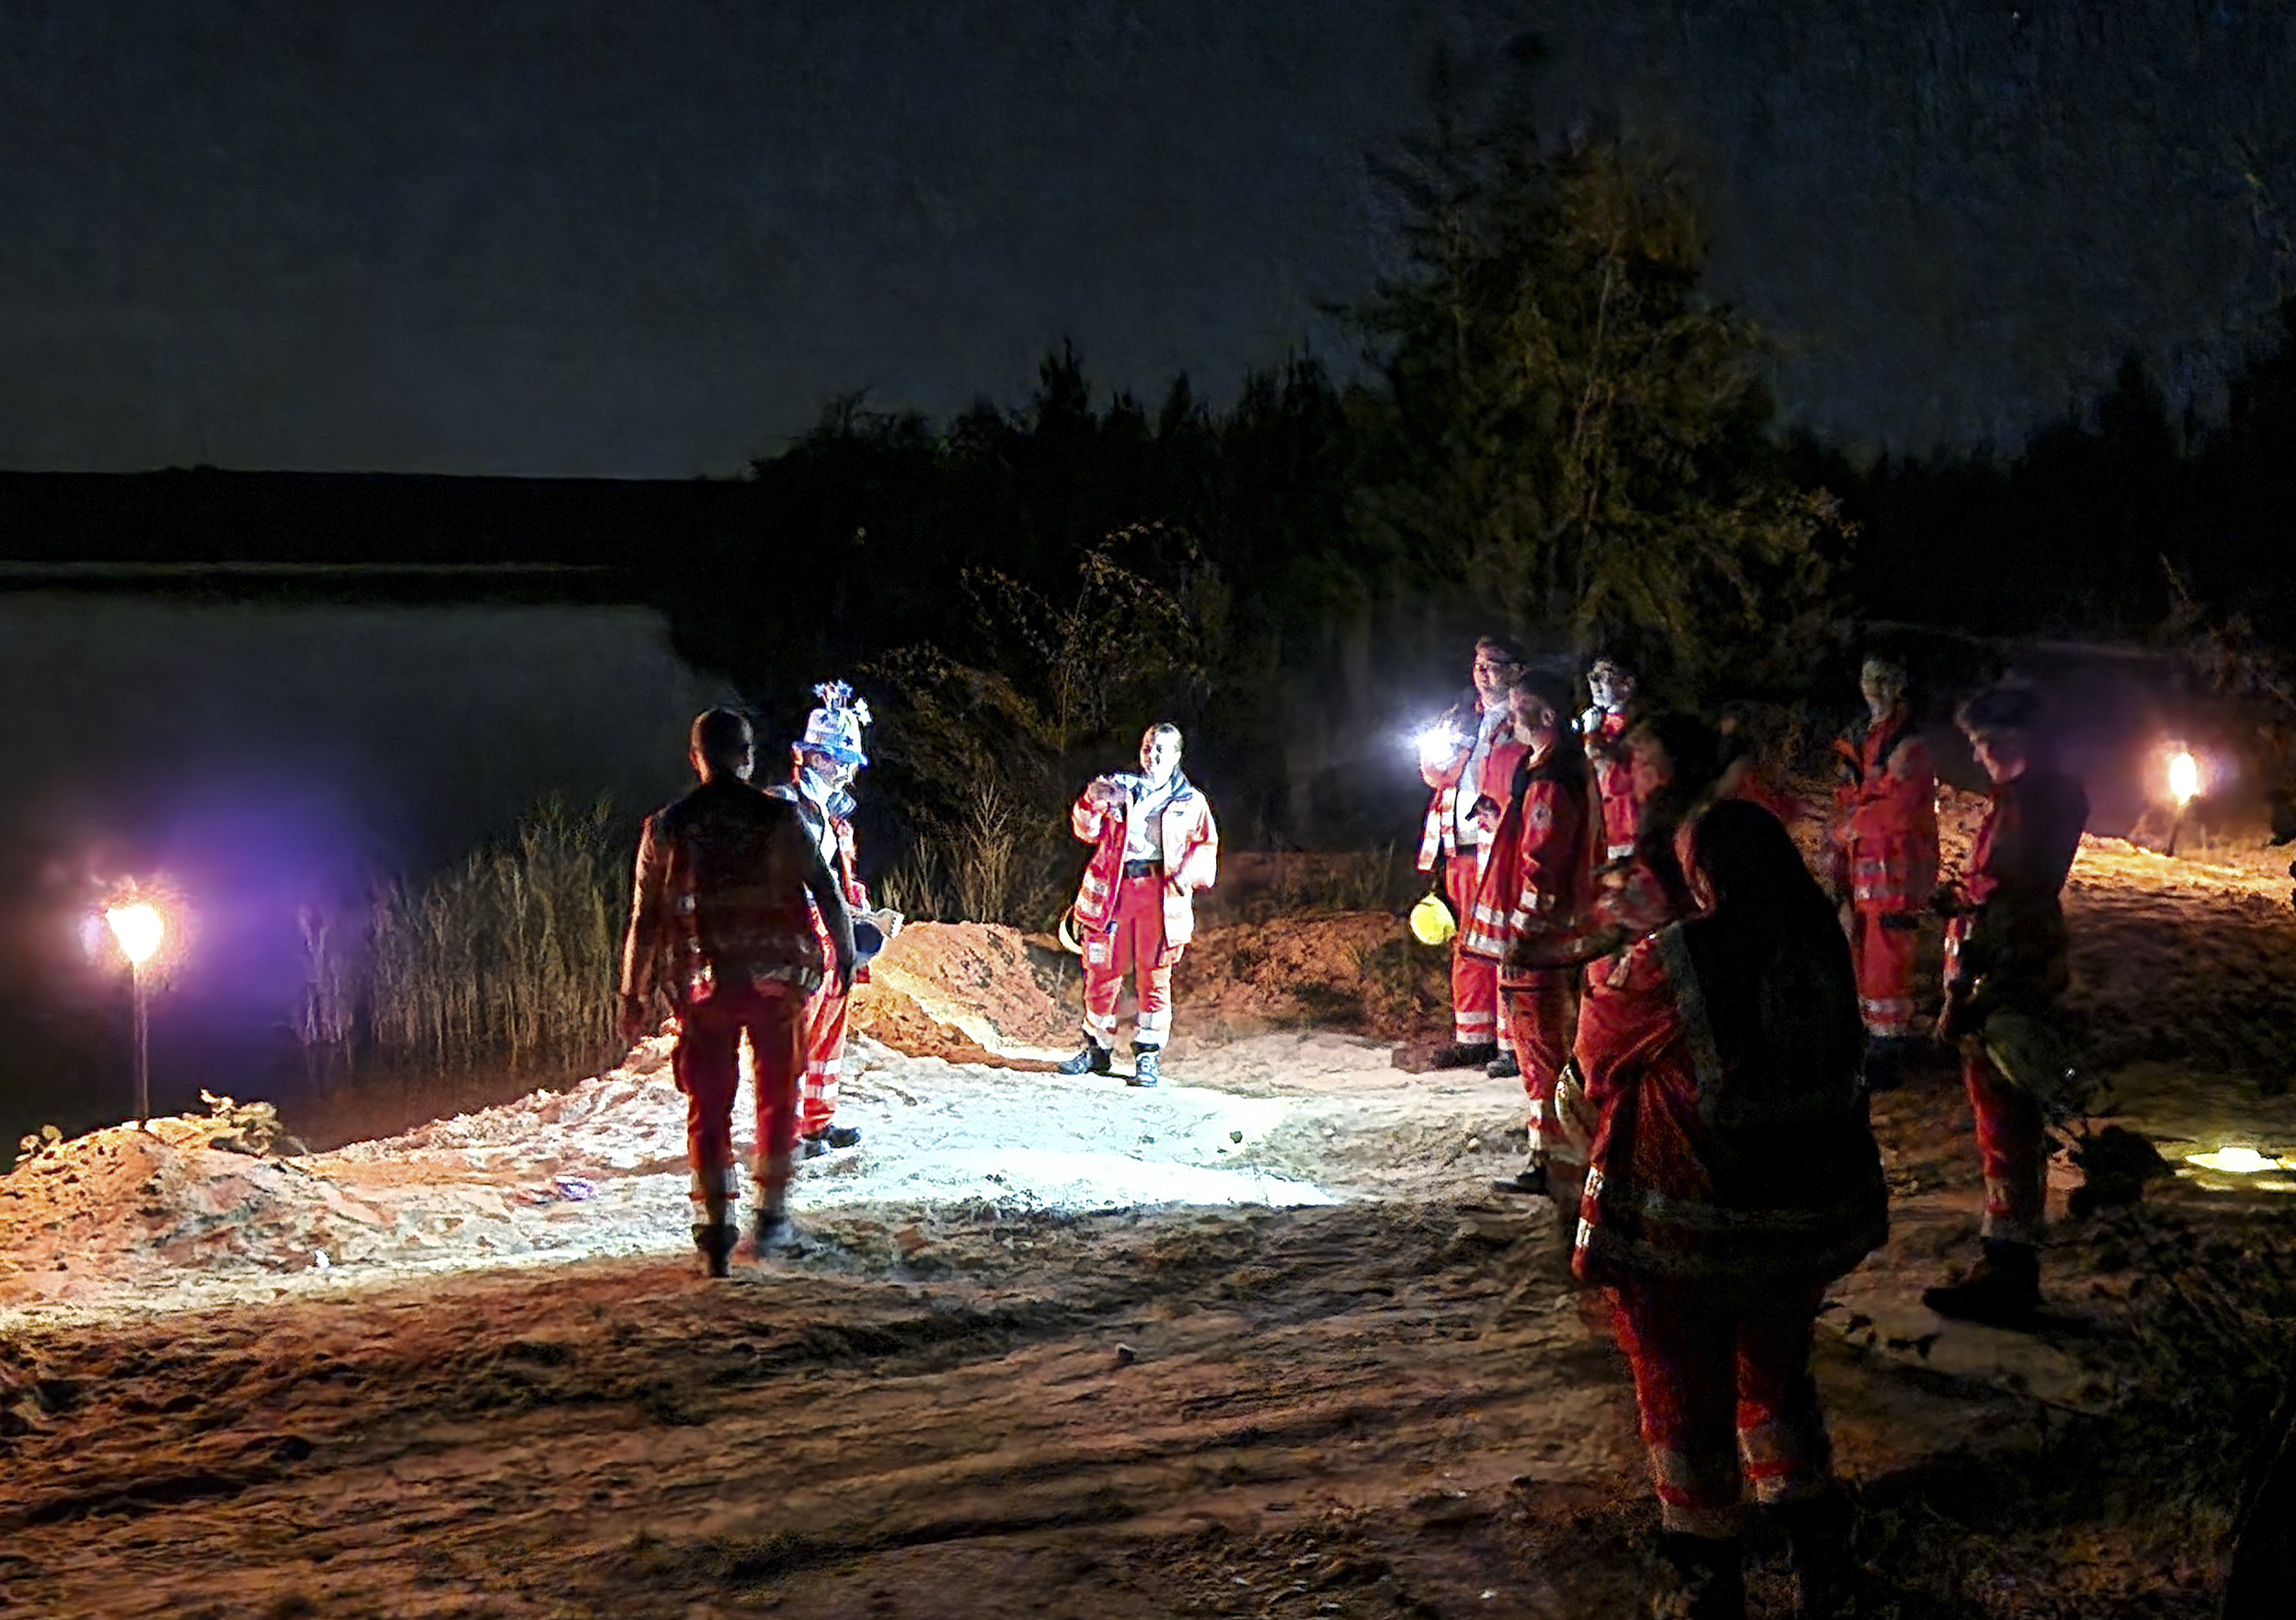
<point>573,236</point>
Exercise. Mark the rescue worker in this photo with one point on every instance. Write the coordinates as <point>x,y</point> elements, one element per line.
<point>1535,875</point>
<point>1154,845</point>
<point>1467,758</point>
<point>2006,951</point>
<point>1885,844</point>
<point>1733,1176</point>
<point>822,767</point>
<point>1604,727</point>
<point>722,881</point>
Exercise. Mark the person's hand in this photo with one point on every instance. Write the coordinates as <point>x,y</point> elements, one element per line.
<point>636,1019</point>
<point>1485,814</point>
<point>1590,720</point>
<point>1945,902</point>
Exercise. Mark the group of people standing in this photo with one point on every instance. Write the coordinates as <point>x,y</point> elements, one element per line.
<point>1698,1025</point>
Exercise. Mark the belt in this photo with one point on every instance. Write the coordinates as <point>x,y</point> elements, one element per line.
<point>1143,869</point>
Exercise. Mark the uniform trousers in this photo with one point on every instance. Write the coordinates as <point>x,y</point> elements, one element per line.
<point>2012,1147</point>
<point>1475,1000</point>
<point>1130,944</point>
<point>1884,941</point>
<point>1726,1398</point>
<point>707,1067</point>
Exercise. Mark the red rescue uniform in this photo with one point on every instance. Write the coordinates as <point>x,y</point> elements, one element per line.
<point>2008,952</point>
<point>1886,848</point>
<point>1733,1173</point>
<point>1135,916</point>
<point>1481,768</point>
<point>1534,876</point>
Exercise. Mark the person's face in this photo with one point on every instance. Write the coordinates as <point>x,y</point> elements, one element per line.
<point>1649,768</point>
<point>2002,756</point>
<point>1535,721</point>
<point>1883,692</point>
<point>1493,669</point>
<point>1159,756</point>
<point>1611,687</point>
<point>823,767</point>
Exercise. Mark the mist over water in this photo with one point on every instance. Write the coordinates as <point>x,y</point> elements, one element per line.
<point>264,761</point>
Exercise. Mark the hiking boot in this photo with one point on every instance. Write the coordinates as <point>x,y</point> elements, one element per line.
<point>817,1142</point>
<point>2003,1289</point>
<point>1528,1182</point>
<point>1094,1059</point>
<point>1887,1058</point>
<point>1503,1067</point>
<point>1699,1579</point>
<point>715,1243</point>
<point>1146,1069</point>
<point>1459,1056</point>
<point>1818,1532</point>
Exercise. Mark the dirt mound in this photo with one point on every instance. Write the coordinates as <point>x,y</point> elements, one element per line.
<point>1356,971</point>
<point>964,992</point>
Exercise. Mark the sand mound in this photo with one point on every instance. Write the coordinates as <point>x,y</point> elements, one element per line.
<point>964,992</point>
<point>1358,971</point>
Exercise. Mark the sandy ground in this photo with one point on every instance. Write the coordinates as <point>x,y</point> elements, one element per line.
<point>1261,1341</point>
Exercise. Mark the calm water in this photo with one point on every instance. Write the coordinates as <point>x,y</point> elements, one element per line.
<point>262,758</point>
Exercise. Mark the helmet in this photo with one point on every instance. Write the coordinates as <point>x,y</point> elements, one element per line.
<point>868,940</point>
<point>834,729</point>
<point>1069,940</point>
<point>1431,920</point>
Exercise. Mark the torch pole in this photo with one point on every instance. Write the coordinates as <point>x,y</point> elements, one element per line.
<point>142,1050</point>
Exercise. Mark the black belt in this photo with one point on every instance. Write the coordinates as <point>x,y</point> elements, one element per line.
<point>1143,869</point>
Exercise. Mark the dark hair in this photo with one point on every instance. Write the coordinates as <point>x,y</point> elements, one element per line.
<point>2005,706</point>
<point>721,738</point>
<point>1693,757</point>
<point>1505,647</point>
<point>1548,686</point>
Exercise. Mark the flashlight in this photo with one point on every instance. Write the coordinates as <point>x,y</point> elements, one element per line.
<point>1438,744</point>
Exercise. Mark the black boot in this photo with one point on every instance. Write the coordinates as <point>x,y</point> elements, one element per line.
<point>1504,1066</point>
<point>2003,1291</point>
<point>1699,1579</point>
<point>1147,1067</point>
<point>1885,1061</point>
<point>1094,1059</point>
<point>773,1229</point>
<point>1818,1532</point>
<point>1528,1182</point>
<point>816,1143</point>
<point>1465,1055</point>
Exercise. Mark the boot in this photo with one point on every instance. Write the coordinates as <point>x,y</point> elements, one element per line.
<point>1885,1061</point>
<point>1528,1182</point>
<point>829,1137</point>
<point>1699,1579</point>
<point>2003,1291</point>
<point>713,1243</point>
<point>1818,1532</point>
<point>1458,1055</point>
<point>1093,1059</point>
<point>773,1229</point>
<point>1503,1066</point>
<point>1147,1069</point>
<point>714,1233</point>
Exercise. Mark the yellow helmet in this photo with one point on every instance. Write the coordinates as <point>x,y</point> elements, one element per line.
<point>1432,921</point>
<point>1069,942</point>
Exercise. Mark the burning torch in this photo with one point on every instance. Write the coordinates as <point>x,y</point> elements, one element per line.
<point>2184,787</point>
<point>138,927</point>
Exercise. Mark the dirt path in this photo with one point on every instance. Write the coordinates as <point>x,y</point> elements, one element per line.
<point>1261,1342</point>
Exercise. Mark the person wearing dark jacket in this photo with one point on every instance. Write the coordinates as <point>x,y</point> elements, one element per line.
<point>2006,952</point>
<point>719,924</point>
<point>1733,1173</point>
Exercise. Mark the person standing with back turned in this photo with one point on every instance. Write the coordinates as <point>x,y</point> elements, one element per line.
<point>721,885</point>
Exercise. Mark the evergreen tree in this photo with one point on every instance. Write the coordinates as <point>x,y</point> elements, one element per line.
<point>1572,431</point>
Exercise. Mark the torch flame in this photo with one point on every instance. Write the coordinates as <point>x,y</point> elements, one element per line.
<point>2184,779</point>
<point>138,928</point>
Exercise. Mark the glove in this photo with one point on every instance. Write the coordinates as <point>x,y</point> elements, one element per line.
<point>1945,902</point>
<point>1590,721</point>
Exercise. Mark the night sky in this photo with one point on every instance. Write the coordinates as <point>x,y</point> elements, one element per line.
<point>573,237</point>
